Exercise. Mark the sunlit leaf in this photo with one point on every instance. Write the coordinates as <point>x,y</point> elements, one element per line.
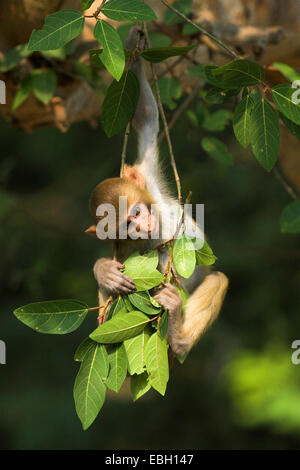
<point>163,325</point>
<point>118,366</point>
<point>184,256</point>
<point>59,28</point>
<point>142,301</point>
<point>121,327</point>
<point>113,54</point>
<point>53,317</point>
<point>135,351</point>
<point>139,385</point>
<point>147,262</point>
<point>83,348</point>
<point>287,71</point>
<point>157,365</point>
<point>205,256</point>
<point>89,389</point>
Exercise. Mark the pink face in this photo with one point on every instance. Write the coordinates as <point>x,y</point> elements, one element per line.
<point>142,222</point>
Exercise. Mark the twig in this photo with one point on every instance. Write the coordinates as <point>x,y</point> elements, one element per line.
<point>163,117</point>
<point>203,31</point>
<point>101,317</point>
<point>185,104</point>
<point>278,174</point>
<point>124,150</point>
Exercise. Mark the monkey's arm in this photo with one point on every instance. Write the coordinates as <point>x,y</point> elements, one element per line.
<point>110,279</point>
<point>202,309</point>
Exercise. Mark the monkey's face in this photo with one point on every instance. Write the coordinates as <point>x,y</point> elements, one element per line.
<point>142,221</point>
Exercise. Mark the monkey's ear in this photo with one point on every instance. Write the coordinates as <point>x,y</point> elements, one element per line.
<point>91,231</point>
<point>131,173</point>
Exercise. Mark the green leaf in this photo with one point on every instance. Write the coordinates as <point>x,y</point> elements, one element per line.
<point>84,347</point>
<point>205,256</point>
<point>144,280</point>
<point>290,218</point>
<point>135,351</point>
<point>192,117</point>
<point>121,327</point>
<point>217,121</point>
<point>286,97</point>
<point>59,29</point>
<point>217,150</point>
<point>117,306</point>
<point>163,325</point>
<point>156,358</point>
<point>184,256</point>
<point>118,366</point>
<point>292,127</point>
<point>44,85</point>
<point>236,74</point>
<point>53,317</point>
<point>170,89</point>
<point>189,30</point>
<point>142,301</point>
<point>113,54</point>
<point>242,120</point>
<point>265,134</point>
<point>158,54</point>
<point>139,385</point>
<point>86,4</point>
<point>197,71</point>
<point>287,71</point>
<point>123,31</point>
<point>128,10</point>
<point>89,390</point>
<point>120,103</point>
<point>184,6</point>
<point>58,54</point>
<point>23,93</point>
<point>217,95</point>
<point>128,305</point>
<point>159,40</point>
<point>147,262</point>
<point>95,58</point>
<point>13,57</point>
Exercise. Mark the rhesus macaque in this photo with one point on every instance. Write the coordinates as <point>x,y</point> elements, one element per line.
<point>143,184</point>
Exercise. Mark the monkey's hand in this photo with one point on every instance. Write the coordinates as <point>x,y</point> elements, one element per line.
<point>169,299</point>
<point>108,275</point>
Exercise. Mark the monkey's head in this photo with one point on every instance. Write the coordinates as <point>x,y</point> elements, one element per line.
<point>123,208</point>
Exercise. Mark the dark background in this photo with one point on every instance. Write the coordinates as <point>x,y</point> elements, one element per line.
<point>237,390</point>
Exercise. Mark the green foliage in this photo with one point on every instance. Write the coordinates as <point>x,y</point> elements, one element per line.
<point>197,71</point>
<point>156,359</point>
<point>290,218</point>
<point>13,57</point>
<point>283,98</point>
<point>142,301</point>
<point>184,256</point>
<point>118,366</point>
<point>112,56</point>
<point>287,71</point>
<point>44,85</point>
<point>205,256</point>
<point>89,389</point>
<point>235,74</point>
<point>139,385</point>
<point>217,150</point>
<point>121,327</point>
<point>159,40</point>
<point>242,120</point>
<point>59,29</point>
<point>265,134</point>
<point>23,93</point>
<point>184,6</point>
<point>142,271</point>
<point>292,127</point>
<point>83,348</point>
<point>135,351</point>
<point>86,4</point>
<point>53,317</point>
<point>163,325</point>
<point>128,10</point>
<point>170,89</point>
<point>120,103</point>
<point>217,121</point>
<point>158,54</point>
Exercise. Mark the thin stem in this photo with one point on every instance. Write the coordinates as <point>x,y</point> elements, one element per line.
<point>124,150</point>
<point>203,31</point>
<point>163,117</point>
<point>278,174</point>
<point>185,104</point>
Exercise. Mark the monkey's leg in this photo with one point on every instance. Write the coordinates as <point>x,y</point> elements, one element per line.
<point>202,309</point>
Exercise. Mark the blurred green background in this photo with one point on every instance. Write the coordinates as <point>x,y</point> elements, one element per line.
<point>237,390</point>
